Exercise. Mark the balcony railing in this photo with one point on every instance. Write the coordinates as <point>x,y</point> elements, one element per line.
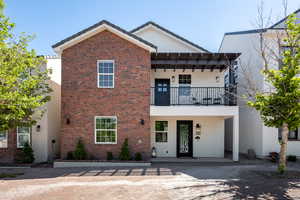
<point>193,96</point>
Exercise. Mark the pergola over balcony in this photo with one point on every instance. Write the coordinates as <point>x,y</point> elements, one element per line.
<point>194,61</point>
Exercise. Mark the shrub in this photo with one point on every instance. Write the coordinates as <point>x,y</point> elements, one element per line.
<point>80,153</point>
<point>109,156</point>
<point>138,156</point>
<point>70,155</point>
<point>28,156</point>
<point>292,158</point>
<point>125,154</point>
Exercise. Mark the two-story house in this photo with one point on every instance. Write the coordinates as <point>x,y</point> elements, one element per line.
<point>159,90</point>
<point>253,133</point>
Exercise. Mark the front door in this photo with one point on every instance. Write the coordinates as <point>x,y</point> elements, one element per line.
<point>162,92</point>
<point>184,138</point>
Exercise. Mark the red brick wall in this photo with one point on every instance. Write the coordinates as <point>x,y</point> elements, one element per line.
<point>82,100</point>
<point>7,155</point>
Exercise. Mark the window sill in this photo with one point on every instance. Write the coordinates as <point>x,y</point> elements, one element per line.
<point>105,142</point>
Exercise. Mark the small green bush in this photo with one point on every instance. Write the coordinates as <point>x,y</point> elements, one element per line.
<point>28,156</point>
<point>292,158</point>
<point>138,156</point>
<point>80,153</point>
<point>70,155</point>
<point>109,156</point>
<point>125,153</point>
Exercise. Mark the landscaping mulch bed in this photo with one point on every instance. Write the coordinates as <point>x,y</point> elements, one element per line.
<point>275,175</point>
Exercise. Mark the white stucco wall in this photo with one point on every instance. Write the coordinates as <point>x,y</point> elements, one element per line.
<point>210,144</point>
<point>164,42</point>
<point>50,122</point>
<point>249,71</point>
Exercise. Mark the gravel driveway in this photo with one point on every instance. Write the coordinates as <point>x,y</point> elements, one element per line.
<point>158,182</point>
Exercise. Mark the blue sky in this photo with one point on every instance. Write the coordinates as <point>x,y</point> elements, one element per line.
<point>202,21</point>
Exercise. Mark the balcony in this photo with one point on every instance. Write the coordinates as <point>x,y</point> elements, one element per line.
<point>163,95</point>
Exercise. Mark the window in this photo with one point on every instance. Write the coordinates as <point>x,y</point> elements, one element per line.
<point>106,71</point>
<point>106,130</point>
<point>161,131</point>
<point>293,135</point>
<point>185,81</point>
<point>3,139</point>
<point>23,136</point>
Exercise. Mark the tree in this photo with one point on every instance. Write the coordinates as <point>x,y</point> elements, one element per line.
<point>280,106</point>
<point>23,81</point>
<point>80,153</point>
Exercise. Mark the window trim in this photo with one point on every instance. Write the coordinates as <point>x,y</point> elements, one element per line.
<point>6,140</point>
<point>95,129</point>
<point>98,73</point>
<point>18,145</point>
<point>167,131</point>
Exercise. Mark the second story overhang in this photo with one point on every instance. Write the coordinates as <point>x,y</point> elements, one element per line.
<point>194,61</point>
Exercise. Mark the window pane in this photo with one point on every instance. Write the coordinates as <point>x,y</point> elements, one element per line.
<point>161,137</point>
<point>23,138</point>
<point>106,134</point>
<point>106,67</point>
<point>161,125</point>
<point>3,139</point>
<point>23,130</point>
<point>185,79</point>
<point>105,80</point>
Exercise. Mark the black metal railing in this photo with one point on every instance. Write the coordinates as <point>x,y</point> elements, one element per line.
<point>194,96</point>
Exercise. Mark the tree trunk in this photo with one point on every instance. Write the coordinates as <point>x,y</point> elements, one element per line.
<point>283,147</point>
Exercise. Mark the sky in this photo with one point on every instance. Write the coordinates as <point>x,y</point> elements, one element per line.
<point>203,22</point>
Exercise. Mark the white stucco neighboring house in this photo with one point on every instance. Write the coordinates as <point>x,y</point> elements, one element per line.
<point>253,133</point>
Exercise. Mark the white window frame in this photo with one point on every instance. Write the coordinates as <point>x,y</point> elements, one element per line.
<point>98,73</point>
<point>116,130</point>
<point>6,141</point>
<point>29,141</point>
<point>167,131</point>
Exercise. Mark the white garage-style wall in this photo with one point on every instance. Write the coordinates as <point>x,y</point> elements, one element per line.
<point>210,144</point>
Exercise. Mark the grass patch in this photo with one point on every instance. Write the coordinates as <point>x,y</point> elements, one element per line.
<point>10,175</point>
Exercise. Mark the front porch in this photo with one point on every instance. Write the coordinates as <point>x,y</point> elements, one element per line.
<point>188,132</point>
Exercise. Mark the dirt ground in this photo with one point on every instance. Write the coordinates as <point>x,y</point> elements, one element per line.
<point>166,181</point>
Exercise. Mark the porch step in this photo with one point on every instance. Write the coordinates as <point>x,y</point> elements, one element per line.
<point>190,160</point>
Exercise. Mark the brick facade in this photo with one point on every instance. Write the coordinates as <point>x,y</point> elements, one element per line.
<point>128,100</point>
<point>8,155</point>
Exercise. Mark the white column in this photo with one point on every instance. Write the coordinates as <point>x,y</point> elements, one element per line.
<point>235,138</point>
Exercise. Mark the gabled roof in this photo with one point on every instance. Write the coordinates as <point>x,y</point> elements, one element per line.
<point>99,27</point>
<point>282,20</point>
<point>150,23</point>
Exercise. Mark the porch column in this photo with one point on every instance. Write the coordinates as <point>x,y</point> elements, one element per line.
<point>235,138</point>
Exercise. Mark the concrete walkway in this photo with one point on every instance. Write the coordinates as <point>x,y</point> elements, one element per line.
<point>161,181</point>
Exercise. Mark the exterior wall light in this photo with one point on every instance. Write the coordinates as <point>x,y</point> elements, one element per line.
<point>68,121</point>
<point>173,79</point>
<point>198,131</point>
<point>142,121</point>
<point>38,128</point>
<point>153,153</point>
<point>217,79</point>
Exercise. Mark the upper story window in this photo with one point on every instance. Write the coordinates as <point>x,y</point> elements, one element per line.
<point>106,73</point>
<point>23,136</point>
<point>3,139</point>
<point>185,81</point>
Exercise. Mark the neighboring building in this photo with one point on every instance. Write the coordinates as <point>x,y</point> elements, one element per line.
<point>44,136</point>
<point>253,134</point>
<point>149,85</point>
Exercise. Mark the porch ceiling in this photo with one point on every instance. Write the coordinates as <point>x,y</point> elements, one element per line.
<point>193,61</point>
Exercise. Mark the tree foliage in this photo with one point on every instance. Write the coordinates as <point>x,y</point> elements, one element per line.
<point>23,81</point>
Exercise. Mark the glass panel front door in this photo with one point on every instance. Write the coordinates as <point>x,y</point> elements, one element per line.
<point>184,138</point>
